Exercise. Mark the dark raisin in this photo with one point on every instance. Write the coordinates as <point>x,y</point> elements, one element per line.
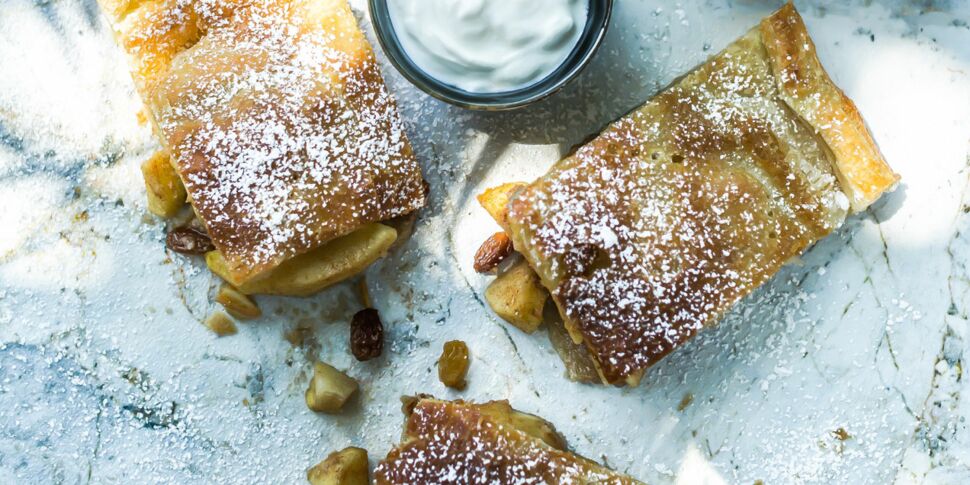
<point>189,240</point>
<point>366,335</point>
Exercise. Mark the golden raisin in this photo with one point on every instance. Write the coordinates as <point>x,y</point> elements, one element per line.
<point>453,364</point>
<point>492,252</point>
<point>366,335</point>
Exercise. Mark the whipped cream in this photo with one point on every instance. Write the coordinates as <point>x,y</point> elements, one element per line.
<point>488,46</point>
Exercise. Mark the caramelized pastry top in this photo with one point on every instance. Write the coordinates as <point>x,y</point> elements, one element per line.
<point>277,119</point>
<point>676,211</point>
<point>461,443</point>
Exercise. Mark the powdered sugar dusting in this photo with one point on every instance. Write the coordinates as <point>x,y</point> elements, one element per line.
<point>456,443</point>
<point>100,295</point>
<point>677,211</point>
<point>280,125</point>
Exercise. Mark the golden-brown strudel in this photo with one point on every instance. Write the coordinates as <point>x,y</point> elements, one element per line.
<point>455,442</point>
<point>276,119</point>
<point>676,211</point>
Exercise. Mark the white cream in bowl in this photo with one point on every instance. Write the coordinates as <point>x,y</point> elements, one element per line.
<point>488,46</point>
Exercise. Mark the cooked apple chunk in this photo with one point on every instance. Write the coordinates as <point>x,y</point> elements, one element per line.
<point>580,367</point>
<point>221,324</point>
<point>329,389</point>
<point>236,303</point>
<point>518,297</point>
<point>344,467</point>
<point>166,194</point>
<point>309,273</point>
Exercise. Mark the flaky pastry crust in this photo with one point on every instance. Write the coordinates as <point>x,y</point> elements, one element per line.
<point>676,211</point>
<point>277,120</point>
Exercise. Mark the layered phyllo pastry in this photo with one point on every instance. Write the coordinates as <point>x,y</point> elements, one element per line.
<point>658,226</point>
<point>277,128</point>
<point>456,442</point>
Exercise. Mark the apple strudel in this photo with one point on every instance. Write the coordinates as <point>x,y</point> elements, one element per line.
<point>655,228</point>
<point>276,120</point>
<point>458,442</point>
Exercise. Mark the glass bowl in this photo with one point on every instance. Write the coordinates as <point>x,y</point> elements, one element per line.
<point>594,31</point>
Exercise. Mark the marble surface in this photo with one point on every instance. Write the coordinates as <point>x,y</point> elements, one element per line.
<point>847,368</point>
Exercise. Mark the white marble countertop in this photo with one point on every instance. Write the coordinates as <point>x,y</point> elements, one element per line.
<point>107,375</point>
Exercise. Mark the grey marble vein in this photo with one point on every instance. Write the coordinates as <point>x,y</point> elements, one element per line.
<point>847,368</point>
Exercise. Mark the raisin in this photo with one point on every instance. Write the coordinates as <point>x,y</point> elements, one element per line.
<point>189,240</point>
<point>366,335</point>
<point>453,364</point>
<point>492,252</point>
